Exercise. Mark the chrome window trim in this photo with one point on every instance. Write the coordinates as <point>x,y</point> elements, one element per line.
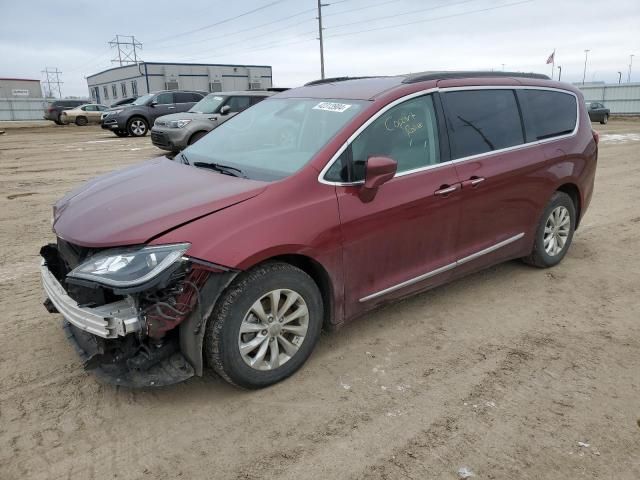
<point>382,111</point>
<point>444,268</point>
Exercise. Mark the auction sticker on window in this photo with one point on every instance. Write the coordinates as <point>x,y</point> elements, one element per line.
<point>332,106</point>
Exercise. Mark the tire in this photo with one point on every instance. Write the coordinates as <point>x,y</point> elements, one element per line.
<point>543,254</point>
<point>81,121</point>
<point>137,127</point>
<point>121,133</point>
<point>605,120</point>
<point>235,309</point>
<point>196,136</point>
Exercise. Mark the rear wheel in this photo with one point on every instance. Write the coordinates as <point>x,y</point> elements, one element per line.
<point>605,120</point>
<point>137,127</point>
<point>554,233</point>
<point>264,326</point>
<point>81,121</point>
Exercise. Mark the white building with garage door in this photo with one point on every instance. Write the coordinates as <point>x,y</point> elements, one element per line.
<point>114,84</point>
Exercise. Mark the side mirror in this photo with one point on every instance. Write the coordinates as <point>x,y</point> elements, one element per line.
<point>225,110</point>
<point>153,103</point>
<point>379,170</point>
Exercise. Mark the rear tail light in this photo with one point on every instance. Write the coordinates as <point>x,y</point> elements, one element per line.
<point>51,109</point>
<point>596,136</point>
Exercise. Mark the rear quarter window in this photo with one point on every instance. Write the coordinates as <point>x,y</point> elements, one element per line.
<point>481,121</point>
<point>548,113</point>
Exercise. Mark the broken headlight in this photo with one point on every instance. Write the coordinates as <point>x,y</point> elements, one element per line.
<point>129,267</point>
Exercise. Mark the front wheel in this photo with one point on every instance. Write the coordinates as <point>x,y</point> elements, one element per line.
<point>554,233</point>
<point>137,127</point>
<point>264,326</point>
<point>605,120</point>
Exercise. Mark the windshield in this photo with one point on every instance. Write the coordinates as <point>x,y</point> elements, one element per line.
<point>208,104</point>
<point>143,99</point>
<point>274,138</point>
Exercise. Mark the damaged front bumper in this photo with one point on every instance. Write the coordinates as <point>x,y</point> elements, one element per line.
<point>146,338</point>
<point>112,320</point>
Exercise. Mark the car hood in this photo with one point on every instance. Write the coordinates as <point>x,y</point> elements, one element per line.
<point>187,116</point>
<point>131,206</point>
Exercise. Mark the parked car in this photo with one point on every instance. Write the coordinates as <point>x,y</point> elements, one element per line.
<point>236,253</point>
<point>175,131</point>
<point>124,101</point>
<point>134,119</point>
<point>83,115</point>
<point>598,112</point>
<point>55,108</point>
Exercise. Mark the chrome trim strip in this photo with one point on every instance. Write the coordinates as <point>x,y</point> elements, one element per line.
<point>493,248</point>
<point>457,160</point>
<point>106,321</point>
<point>406,283</point>
<point>446,268</point>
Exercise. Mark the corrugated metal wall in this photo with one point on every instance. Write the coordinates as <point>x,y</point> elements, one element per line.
<point>22,108</point>
<point>621,99</point>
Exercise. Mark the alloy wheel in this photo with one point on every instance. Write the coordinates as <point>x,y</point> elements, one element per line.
<point>273,329</point>
<point>556,231</point>
<point>138,128</point>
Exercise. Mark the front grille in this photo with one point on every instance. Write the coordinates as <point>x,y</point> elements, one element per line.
<point>158,138</point>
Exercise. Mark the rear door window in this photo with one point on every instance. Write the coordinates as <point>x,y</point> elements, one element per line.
<point>548,113</point>
<point>187,97</point>
<point>481,121</point>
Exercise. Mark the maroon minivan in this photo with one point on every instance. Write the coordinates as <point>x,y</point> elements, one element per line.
<point>312,208</point>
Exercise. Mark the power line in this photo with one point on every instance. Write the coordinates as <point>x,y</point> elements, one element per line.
<point>246,39</point>
<point>242,31</point>
<point>361,8</point>
<point>278,43</point>
<point>429,19</point>
<point>401,14</point>
<point>226,20</point>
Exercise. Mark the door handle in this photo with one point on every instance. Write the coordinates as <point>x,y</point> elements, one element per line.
<point>445,190</point>
<point>473,182</point>
<point>171,108</point>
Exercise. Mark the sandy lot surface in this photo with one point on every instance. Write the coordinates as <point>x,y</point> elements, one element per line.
<point>503,372</point>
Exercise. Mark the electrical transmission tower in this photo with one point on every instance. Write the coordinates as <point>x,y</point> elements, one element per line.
<point>127,46</point>
<point>52,80</point>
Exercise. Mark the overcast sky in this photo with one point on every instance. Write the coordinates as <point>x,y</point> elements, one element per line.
<point>362,37</point>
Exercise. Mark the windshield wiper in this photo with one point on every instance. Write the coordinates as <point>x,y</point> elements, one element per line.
<point>224,169</point>
<point>184,158</point>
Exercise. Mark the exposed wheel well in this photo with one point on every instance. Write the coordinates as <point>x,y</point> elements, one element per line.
<point>573,192</point>
<point>133,117</point>
<point>319,275</point>
<point>191,138</point>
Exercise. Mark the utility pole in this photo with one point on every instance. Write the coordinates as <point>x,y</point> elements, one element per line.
<point>503,67</point>
<point>584,75</point>
<point>559,72</point>
<point>320,5</point>
<point>127,49</point>
<point>630,65</point>
<point>619,78</point>
<point>52,77</point>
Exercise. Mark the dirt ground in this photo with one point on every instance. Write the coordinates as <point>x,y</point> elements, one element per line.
<point>502,373</point>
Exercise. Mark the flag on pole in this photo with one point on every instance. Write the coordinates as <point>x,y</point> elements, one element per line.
<point>551,58</point>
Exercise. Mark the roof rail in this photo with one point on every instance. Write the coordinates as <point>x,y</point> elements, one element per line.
<point>424,76</point>
<point>333,80</point>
